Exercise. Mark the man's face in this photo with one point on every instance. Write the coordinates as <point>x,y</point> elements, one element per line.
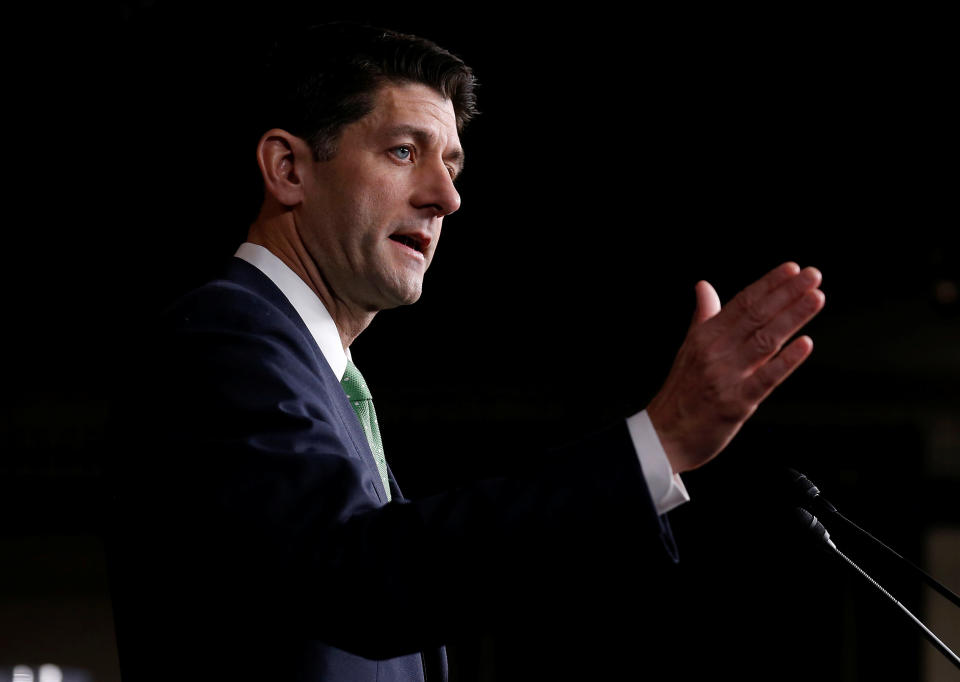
<point>371,216</point>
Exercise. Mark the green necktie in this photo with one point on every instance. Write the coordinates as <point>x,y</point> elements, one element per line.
<point>358,393</point>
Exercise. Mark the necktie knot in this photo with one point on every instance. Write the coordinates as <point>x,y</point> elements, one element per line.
<point>353,383</point>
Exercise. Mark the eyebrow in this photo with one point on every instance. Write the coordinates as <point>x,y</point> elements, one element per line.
<point>425,138</point>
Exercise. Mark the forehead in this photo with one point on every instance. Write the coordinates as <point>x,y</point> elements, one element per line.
<point>416,105</point>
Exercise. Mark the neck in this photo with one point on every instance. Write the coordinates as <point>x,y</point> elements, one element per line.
<point>275,230</point>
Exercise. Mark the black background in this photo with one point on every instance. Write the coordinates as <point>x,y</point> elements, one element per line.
<point>617,160</point>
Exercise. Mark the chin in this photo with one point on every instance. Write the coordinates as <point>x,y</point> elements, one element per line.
<point>401,297</point>
<point>412,297</point>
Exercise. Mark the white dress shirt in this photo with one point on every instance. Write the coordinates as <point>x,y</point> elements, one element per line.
<point>666,489</point>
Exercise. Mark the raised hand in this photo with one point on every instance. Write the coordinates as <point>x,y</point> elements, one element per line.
<point>730,361</point>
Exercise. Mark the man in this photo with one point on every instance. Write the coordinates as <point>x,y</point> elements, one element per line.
<point>266,535</point>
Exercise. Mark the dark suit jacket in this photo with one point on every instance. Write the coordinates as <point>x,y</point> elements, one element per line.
<point>253,540</point>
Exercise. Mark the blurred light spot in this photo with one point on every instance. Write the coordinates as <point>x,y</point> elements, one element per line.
<point>946,291</point>
<point>50,673</point>
<point>22,673</point>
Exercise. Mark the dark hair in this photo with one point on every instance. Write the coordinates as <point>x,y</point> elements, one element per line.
<point>325,77</point>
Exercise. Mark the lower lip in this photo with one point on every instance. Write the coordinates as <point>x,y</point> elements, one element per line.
<point>409,251</point>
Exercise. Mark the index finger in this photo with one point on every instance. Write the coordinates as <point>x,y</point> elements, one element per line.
<point>748,299</point>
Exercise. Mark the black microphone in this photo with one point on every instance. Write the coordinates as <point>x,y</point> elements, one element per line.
<point>810,522</point>
<point>809,492</point>
<point>808,495</point>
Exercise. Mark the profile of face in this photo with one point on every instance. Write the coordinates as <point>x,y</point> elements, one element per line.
<point>370,218</point>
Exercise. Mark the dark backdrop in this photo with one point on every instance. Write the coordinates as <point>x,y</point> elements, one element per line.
<point>616,161</point>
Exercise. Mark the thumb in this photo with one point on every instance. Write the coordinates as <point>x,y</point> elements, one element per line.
<point>708,303</point>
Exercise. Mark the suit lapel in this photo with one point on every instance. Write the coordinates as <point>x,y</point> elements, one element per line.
<point>249,276</point>
<point>434,661</point>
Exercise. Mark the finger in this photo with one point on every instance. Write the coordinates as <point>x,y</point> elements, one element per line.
<point>772,374</point>
<point>758,313</point>
<point>767,340</point>
<point>708,303</point>
<point>767,308</point>
<point>748,300</point>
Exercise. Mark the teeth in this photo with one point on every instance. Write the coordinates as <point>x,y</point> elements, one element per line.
<point>408,241</point>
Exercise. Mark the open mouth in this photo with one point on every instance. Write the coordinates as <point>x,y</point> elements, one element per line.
<point>413,241</point>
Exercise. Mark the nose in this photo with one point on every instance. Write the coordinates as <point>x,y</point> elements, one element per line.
<point>435,190</point>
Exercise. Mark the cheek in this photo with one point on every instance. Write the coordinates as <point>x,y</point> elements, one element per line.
<point>378,195</point>
<point>372,204</point>
<point>388,195</point>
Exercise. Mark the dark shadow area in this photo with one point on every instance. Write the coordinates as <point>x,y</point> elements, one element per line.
<point>615,163</point>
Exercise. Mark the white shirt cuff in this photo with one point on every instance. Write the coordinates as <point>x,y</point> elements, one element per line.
<point>666,489</point>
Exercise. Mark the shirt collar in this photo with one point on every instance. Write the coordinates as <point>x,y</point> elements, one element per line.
<point>307,304</point>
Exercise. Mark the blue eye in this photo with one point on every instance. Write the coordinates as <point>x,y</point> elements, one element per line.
<point>403,152</point>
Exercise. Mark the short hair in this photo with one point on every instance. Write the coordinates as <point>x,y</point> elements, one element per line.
<point>325,77</point>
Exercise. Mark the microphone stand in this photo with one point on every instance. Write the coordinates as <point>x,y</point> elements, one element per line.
<point>817,528</point>
<point>916,570</point>
<point>810,494</point>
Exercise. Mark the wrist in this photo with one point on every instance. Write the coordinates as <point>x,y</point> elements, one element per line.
<point>671,446</point>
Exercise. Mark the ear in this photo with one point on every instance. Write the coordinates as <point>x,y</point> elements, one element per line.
<point>283,158</point>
